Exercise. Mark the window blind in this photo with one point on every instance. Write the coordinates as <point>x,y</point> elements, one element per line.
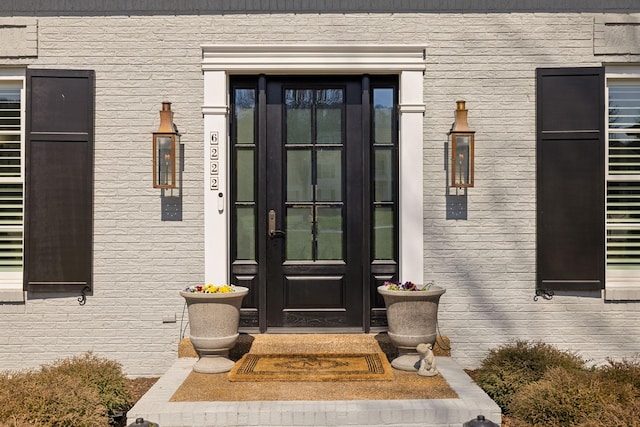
<point>11,227</point>
<point>623,184</point>
<point>11,179</point>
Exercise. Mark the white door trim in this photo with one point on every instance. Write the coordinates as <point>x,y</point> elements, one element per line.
<point>408,61</point>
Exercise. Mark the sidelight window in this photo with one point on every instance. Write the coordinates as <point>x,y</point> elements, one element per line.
<point>385,173</point>
<point>244,124</point>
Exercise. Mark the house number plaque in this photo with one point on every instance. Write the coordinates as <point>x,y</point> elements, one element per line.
<point>213,156</point>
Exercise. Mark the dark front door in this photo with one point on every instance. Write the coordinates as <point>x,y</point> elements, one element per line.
<point>314,198</point>
<point>314,202</point>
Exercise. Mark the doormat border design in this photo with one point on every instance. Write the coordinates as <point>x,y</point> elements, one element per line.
<point>312,367</point>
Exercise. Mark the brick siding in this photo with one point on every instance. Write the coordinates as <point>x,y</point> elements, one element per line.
<point>486,262</point>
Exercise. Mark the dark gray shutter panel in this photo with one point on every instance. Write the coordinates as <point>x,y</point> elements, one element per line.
<point>59,180</point>
<point>570,179</point>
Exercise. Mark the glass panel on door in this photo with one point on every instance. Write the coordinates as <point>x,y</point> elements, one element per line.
<point>314,179</point>
<point>384,174</point>
<point>244,173</point>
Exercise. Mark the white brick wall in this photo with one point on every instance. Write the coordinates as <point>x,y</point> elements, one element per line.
<point>487,262</point>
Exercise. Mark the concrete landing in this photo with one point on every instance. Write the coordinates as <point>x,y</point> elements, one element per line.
<point>155,406</point>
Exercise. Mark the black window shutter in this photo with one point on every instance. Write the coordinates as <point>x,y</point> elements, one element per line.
<point>570,179</point>
<point>59,180</point>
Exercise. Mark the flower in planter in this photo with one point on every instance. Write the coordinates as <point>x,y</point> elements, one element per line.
<point>210,289</point>
<point>406,286</point>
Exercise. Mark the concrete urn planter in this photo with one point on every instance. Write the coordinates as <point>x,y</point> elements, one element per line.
<point>213,324</point>
<point>412,317</point>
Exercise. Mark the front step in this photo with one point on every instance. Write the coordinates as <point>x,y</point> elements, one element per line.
<point>472,401</point>
<point>407,412</point>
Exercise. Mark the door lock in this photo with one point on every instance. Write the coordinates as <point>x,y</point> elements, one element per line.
<point>272,225</point>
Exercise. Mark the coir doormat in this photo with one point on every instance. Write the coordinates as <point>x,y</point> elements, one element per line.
<point>312,367</point>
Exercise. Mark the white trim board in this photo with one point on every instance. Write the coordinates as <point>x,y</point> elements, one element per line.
<point>316,59</point>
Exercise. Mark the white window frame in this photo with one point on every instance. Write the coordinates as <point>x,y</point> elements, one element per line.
<point>621,285</point>
<point>11,284</point>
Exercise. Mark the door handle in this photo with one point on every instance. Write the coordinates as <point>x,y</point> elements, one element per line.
<point>272,225</point>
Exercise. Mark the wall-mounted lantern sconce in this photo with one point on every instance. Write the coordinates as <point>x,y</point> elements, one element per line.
<point>166,151</point>
<point>461,149</point>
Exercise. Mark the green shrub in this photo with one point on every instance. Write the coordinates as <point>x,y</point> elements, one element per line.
<point>584,398</point>
<point>626,371</point>
<point>43,400</point>
<point>510,367</point>
<point>619,400</point>
<point>75,392</point>
<point>105,376</point>
<point>616,414</point>
<point>538,385</point>
<point>561,398</point>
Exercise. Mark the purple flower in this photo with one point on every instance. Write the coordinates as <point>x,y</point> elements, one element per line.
<point>406,286</point>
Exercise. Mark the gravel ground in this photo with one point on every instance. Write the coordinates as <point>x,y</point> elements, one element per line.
<point>139,386</point>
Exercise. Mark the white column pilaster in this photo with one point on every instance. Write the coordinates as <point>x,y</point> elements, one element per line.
<point>216,207</point>
<point>412,109</point>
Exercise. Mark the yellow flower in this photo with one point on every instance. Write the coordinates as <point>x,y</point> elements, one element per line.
<point>210,288</point>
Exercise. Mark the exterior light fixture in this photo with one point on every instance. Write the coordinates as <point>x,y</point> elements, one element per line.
<point>165,153</point>
<point>461,149</point>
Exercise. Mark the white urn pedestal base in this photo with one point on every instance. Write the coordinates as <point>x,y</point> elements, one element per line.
<point>407,360</point>
<point>214,364</point>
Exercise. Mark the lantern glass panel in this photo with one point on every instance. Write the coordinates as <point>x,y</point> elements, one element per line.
<point>165,161</point>
<point>462,161</point>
